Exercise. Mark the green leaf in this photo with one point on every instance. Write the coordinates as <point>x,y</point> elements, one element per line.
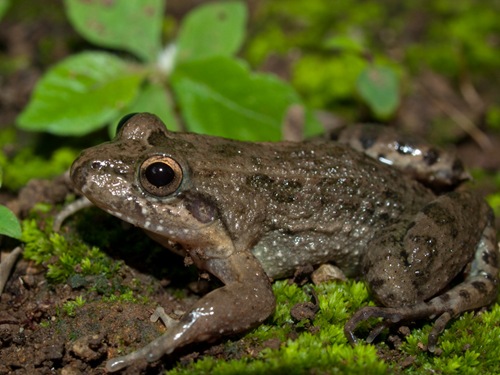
<point>379,87</point>
<point>152,98</point>
<point>220,96</point>
<point>132,25</point>
<point>211,30</point>
<point>4,4</point>
<point>81,94</point>
<point>9,225</point>
<point>324,81</point>
<point>345,44</point>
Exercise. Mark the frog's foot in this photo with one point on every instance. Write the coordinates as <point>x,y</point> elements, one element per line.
<point>436,168</point>
<point>151,352</point>
<point>393,316</point>
<point>160,313</point>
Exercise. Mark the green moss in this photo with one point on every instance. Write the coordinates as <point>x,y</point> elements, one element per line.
<point>302,349</point>
<point>45,324</point>
<point>468,345</point>
<point>297,357</point>
<point>26,165</point>
<point>21,158</point>
<point>63,257</point>
<point>69,307</point>
<point>126,296</point>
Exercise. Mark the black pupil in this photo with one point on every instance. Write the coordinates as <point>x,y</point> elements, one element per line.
<point>160,174</point>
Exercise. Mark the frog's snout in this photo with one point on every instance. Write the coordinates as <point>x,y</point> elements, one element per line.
<point>78,173</point>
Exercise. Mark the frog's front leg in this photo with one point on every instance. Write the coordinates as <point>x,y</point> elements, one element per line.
<point>410,266</point>
<point>242,303</point>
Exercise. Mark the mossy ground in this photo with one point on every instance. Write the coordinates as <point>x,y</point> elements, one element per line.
<point>94,295</point>
<point>468,346</point>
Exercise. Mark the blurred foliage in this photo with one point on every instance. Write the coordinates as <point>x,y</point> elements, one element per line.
<point>9,224</point>
<point>329,44</point>
<point>4,4</point>
<point>459,37</point>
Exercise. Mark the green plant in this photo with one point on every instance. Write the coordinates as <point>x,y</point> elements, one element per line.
<point>4,4</point>
<point>69,307</point>
<point>197,73</point>
<point>9,224</point>
<point>26,165</point>
<point>329,46</point>
<point>126,296</point>
<point>335,63</point>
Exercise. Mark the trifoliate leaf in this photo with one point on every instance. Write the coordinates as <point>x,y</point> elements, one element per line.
<point>81,94</point>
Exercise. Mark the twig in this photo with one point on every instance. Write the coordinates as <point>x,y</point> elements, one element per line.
<point>7,266</point>
<point>466,124</point>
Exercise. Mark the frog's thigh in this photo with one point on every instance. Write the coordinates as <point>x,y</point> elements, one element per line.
<point>414,260</point>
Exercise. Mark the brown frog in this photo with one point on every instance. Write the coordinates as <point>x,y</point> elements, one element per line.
<point>251,212</point>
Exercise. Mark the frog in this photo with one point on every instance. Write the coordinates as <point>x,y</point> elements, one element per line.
<point>248,213</point>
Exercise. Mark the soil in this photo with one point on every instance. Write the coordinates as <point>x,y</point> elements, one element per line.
<point>30,348</point>
<point>27,345</point>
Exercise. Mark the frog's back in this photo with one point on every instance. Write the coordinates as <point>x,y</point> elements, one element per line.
<point>300,203</point>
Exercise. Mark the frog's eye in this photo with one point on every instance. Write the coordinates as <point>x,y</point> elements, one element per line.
<point>160,175</point>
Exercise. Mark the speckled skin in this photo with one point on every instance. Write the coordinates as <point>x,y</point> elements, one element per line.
<point>247,212</point>
<point>435,168</point>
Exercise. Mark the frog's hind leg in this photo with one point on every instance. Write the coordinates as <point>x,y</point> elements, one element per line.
<point>478,289</point>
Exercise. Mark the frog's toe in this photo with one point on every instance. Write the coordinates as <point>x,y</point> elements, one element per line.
<point>160,314</point>
<point>437,329</point>
<point>389,315</point>
<point>392,316</point>
<point>376,331</point>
